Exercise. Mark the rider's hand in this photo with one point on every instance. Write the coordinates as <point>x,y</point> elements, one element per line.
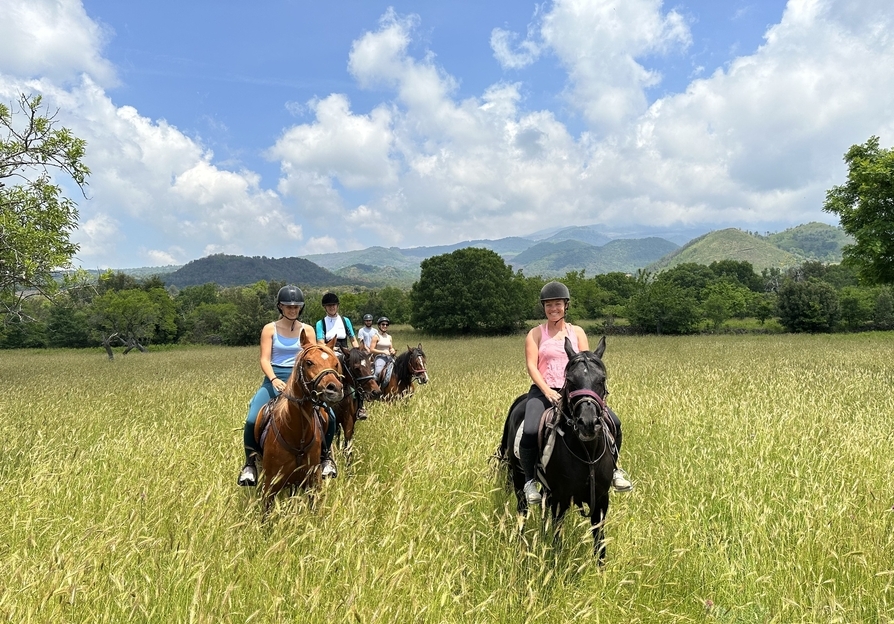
<point>278,384</point>
<point>554,397</point>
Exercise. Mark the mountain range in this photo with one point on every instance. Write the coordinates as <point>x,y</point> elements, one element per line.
<point>549,254</point>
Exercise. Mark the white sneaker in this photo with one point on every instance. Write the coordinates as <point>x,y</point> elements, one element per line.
<point>532,494</point>
<point>329,469</point>
<point>249,475</point>
<point>620,481</point>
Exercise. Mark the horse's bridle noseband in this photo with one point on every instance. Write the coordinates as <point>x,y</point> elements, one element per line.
<point>417,373</point>
<point>311,392</point>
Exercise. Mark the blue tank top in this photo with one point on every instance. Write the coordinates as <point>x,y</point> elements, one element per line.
<point>285,350</point>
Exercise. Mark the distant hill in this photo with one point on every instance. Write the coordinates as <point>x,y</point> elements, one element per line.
<point>584,233</point>
<point>813,241</point>
<point>729,244</point>
<point>552,259</point>
<point>379,276</point>
<point>549,253</point>
<point>507,247</point>
<point>371,256</point>
<point>226,270</point>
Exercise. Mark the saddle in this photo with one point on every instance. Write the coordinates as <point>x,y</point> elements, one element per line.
<point>549,426</point>
<point>266,422</point>
<point>387,372</point>
<point>546,435</point>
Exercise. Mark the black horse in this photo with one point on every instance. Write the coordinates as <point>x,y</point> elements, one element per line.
<point>583,457</point>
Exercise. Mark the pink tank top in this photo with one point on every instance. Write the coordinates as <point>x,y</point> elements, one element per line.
<point>551,356</point>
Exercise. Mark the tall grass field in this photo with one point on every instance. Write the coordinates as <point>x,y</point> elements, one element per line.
<point>763,470</point>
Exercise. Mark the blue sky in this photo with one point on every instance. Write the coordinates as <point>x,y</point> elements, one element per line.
<point>285,128</point>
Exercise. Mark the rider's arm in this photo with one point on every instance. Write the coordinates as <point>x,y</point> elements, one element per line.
<point>267,354</point>
<point>582,343</point>
<point>349,330</point>
<point>532,352</point>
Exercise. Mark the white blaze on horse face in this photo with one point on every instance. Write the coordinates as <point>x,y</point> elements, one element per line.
<point>325,356</point>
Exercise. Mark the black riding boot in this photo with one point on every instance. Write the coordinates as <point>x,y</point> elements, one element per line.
<point>527,456</point>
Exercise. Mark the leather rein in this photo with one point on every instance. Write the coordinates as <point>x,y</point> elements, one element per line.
<point>310,394</point>
<point>585,395</point>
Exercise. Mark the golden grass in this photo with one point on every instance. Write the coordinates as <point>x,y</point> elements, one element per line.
<point>763,469</point>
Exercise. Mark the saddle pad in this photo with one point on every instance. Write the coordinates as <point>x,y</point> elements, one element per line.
<point>547,439</point>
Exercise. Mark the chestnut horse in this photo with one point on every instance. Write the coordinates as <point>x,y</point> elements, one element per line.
<point>583,457</point>
<point>409,366</point>
<point>359,383</point>
<point>298,420</point>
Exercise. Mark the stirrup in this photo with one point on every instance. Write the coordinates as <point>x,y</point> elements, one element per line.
<point>361,414</point>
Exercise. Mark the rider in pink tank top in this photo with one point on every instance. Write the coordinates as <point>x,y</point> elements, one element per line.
<point>551,356</point>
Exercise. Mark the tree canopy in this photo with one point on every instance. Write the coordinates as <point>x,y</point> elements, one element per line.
<point>865,206</point>
<point>469,291</point>
<point>36,220</point>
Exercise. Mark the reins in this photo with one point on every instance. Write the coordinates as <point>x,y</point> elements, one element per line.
<point>585,395</point>
<point>310,394</point>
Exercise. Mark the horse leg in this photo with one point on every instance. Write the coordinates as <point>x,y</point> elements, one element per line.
<point>558,509</point>
<point>597,522</point>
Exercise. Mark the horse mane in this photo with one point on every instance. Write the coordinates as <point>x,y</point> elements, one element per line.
<point>354,357</point>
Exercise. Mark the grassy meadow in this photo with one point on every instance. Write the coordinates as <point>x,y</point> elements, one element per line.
<point>763,465</point>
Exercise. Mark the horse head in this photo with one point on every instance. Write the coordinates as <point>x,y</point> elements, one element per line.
<point>583,396</point>
<point>360,368</point>
<point>319,371</point>
<point>416,363</point>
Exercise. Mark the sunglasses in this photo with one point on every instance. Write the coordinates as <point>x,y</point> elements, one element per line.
<point>384,324</point>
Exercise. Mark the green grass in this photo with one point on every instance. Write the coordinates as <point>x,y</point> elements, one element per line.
<point>763,469</point>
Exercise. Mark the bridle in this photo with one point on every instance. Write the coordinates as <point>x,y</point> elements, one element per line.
<point>310,394</point>
<point>572,400</point>
<point>419,374</point>
<point>356,381</point>
<point>309,388</point>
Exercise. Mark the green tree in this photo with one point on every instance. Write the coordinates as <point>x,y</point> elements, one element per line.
<point>36,220</point>
<point>128,316</point>
<point>857,306</point>
<point>883,314</point>
<point>724,299</point>
<point>469,291</point>
<point>808,306</point>
<point>865,206</point>
<point>253,311</point>
<point>741,271</point>
<point>663,307</point>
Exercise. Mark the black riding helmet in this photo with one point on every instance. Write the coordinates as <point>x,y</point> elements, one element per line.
<point>290,295</point>
<point>383,319</point>
<point>367,317</point>
<point>330,298</point>
<point>554,290</point>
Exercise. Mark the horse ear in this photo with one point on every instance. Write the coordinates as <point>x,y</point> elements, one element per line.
<point>569,350</point>
<point>331,343</point>
<point>600,348</point>
<point>305,340</point>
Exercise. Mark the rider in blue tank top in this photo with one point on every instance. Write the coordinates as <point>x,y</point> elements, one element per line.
<point>280,347</point>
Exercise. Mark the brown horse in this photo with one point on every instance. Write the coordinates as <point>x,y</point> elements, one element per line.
<point>360,383</point>
<point>298,420</point>
<point>409,366</point>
